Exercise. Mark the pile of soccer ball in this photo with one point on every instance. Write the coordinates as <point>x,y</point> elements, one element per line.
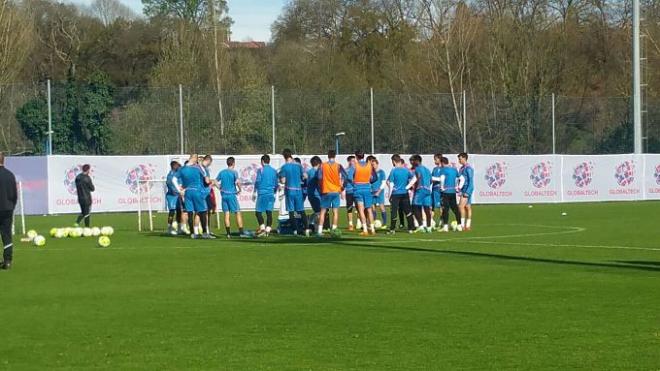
<point>103,234</point>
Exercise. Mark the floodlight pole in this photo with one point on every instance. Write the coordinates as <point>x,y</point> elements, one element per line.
<point>637,85</point>
<point>373,143</point>
<point>272,109</point>
<point>50,121</point>
<point>554,147</point>
<point>181,118</point>
<point>464,121</point>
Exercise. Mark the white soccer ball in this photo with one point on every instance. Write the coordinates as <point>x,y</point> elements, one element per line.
<point>96,231</point>
<point>75,232</point>
<point>459,228</point>
<point>107,231</point>
<point>39,241</point>
<point>60,233</point>
<point>87,232</point>
<point>378,224</point>
<point>31,234</point>
<point>454,226</point>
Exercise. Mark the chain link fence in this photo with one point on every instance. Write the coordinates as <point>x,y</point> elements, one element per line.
<point>153,120</point>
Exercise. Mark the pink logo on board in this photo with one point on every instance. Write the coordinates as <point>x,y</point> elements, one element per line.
<point>138,176</point>
<point>496,175</point>
<point>657,174</point>
<point>625,173</point>
<point>247,176</point>
<point>541,174</point>
<point>583,174</point>
<point>70,175</point>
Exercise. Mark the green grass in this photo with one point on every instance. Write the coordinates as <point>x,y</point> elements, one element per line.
<point>526,289</point>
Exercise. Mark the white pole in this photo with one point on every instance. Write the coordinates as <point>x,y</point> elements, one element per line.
<point>20,195</point>
<point>181,118</point>
<point>217,208</point>
<point>139,207</point>
<point>554,138</point>
<point>50,121</point>
<point>272,110</point>
<point>464,122</point>
<point>151,218</point>
<point>637,86</point>
<point>373,146</point>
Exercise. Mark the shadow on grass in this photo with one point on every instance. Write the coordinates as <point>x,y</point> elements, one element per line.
<point>639,262</point>
<point>348,243</point>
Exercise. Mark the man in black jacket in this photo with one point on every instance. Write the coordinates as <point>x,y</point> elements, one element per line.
<point>8,198</point>
<point>84,188</point>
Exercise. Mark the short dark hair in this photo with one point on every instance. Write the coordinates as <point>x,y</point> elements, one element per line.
<point>85,168</point>
<point>444,161</point>
<point>359,154</point>
<point>400,161</point>
<point>316,160</point>
<point>173,164</point>
<point>350,158</point>
<point>287,153</point>
<point>332,153</point>
<point>208,157</point>
<point>231,161</point>
<point>265,159</point>
<point>371,158</point>
<point>395,157</point>
<point>416,158</point>
<point>438,156</point>
<point>463,155</point>
<point>298,160</point>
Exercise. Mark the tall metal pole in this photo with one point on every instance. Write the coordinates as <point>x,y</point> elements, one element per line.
<point>464,122</point>
<point>637,86</point>
<point>272,110</point>
<point>181,118</point>
<point>554,142</point>
<point>373,142</point>
<point>50,121</point>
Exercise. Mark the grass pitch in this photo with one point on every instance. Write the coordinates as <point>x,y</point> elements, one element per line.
<point>526,289</point>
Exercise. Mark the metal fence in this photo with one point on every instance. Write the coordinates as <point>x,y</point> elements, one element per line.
<point>149,120</point>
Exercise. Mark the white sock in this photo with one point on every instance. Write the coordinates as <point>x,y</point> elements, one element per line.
<point>416,223</point>
<point>320,229</point>
<point>334,227</point>
<point>469,223</point>
<point>350,223</point>
<point>262,227</point>
<point>268,229</point>
<point>462,222</point>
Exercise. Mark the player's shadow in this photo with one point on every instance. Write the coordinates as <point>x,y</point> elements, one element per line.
<point>353,243</point>
<point>639,262</point>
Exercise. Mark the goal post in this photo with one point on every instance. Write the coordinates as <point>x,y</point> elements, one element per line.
<point>146,191</point>
<point>19,211</point>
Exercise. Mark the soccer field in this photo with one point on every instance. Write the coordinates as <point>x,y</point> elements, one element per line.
<point>526,289</point>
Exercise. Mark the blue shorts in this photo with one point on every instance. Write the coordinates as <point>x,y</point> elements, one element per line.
<point>380,199</point>
<point>364,197</point>
<point>265,202</point>
<point>436,199</point>
<point>315,202</point>
<point>422,197</point>
<point>330,201</point>
<point>195,201</point>
<point>469,197</point>
<point>294,201</point>
<point>230,203</point>
<point>173,202</point>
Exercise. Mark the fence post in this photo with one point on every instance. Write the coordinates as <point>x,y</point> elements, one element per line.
<point>50,121</point>
<point>554,137</point>
<point>464,122</point>
<point>181,119</point>
<point>272,110</point>
<point>373,142</point>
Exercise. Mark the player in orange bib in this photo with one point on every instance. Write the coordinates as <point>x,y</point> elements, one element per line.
<point>362,178</point>
<point>331,177</point>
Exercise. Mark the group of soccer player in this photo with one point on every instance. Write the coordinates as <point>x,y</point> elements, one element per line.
<point>416,194</point>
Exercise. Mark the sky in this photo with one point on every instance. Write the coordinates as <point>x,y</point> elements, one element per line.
<point>252,18</point>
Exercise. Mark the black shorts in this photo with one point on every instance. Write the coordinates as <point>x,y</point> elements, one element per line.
<point>350,201</point>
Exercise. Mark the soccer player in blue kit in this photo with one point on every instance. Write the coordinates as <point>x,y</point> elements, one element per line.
<point>448,186</point>
<point>349,190</point>
<point>378,190</point>
<point>292,176</point>
<point>191,179</point>
<point>313,193</point>
<point>174,202</point>
<point>266,185</point>
<point>466,174</point>
<point>422,197</point>
<point>230,188</point>
<point>399,182</point>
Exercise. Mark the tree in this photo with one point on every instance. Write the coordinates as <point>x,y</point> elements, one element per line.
<point>109,11</point>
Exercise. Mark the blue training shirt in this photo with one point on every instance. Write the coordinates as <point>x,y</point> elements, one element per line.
<point>169,182</point>
<point>349,187</point>
<point>313,182</point>
<point>267,180</point>
<point>227,179</point>
<point>293,172</point>
<point>437,172</point>
<point>423,177</point>
<point>467,172</point>
<point>399,179</point>
<point>378,181</point>
<point>451,178</point>
<point>191,177</point>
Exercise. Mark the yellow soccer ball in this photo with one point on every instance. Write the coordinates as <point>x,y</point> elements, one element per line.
<point>104,241</point>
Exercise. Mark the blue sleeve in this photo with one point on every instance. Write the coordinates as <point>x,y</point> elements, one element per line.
<point>257,180</point>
